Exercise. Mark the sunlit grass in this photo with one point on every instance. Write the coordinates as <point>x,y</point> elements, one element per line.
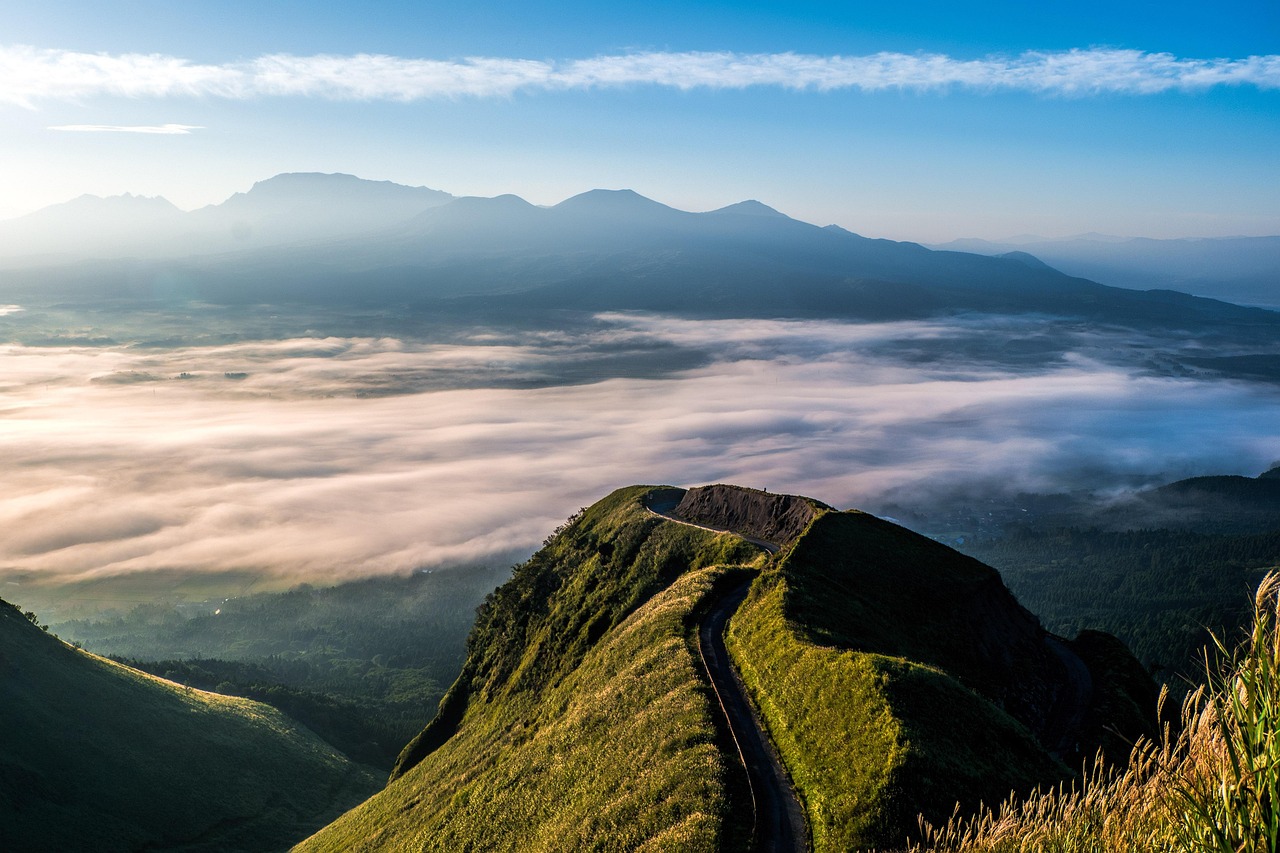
<point>588,724</point>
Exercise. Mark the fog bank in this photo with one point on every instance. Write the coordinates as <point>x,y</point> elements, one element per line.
<point>319,459</point>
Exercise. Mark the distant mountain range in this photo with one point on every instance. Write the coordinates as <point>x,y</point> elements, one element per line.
<point>287,208</point>
<point>1237,269</point>
<point>337,245</point>
<point>336,240</point>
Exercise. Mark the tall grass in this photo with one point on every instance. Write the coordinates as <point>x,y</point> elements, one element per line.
<point>1213,787</point>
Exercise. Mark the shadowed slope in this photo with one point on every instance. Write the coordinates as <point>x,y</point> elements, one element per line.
<point>97,756</point>
<point>897,676</point>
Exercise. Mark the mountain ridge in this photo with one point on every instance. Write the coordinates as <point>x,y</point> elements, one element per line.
<point>585,615</point>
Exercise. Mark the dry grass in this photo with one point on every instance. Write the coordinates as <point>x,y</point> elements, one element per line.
<point>1214,787</point>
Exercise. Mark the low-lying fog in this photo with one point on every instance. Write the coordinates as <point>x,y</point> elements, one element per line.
<point>325,458</point>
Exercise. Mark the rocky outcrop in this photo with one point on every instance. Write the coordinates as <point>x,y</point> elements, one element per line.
<point>779,519</point>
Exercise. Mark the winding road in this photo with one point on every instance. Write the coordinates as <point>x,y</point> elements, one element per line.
<point>779,825</point>
<point>778,821</point>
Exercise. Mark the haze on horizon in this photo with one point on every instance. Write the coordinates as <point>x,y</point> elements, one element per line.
<point>919,123</point>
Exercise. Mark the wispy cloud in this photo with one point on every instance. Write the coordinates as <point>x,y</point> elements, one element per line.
<point>163,129</point>
<point>30,75</point>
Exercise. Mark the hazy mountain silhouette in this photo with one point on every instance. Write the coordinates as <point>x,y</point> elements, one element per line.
<point>337,240</point>
<point>311,206</point>
<point>92,225</point>
<point>1238,269</point>
<point>287,208</point>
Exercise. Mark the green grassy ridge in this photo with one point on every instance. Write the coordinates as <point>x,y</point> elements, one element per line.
<point>871,741</point>
<point>898,677</point>
<point>857,581</point>
<point>581,720</point>
<point>110,758</point>
<point>619,755</point>
<point>590,574</point>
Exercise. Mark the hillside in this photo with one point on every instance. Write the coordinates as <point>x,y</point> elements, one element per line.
<point>898,676</point>
<point>362,664</point>
<point>1160,568</point>
<point>580,721</point>
<point>107,758</point>
<point>895,675</point>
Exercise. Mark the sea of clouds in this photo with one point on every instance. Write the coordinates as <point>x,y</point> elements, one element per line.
<point>332,458</point>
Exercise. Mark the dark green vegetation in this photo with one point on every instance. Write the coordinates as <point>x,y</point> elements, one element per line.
<point>97,756</point>
<point>1160,569</point>
<point>362,664</point>
<point>895,675</point>
<point>1161,591</point>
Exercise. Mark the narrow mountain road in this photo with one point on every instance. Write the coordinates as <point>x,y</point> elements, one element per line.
<point>778,816</point>
<point>779,824</point>
<point>1066,717</point>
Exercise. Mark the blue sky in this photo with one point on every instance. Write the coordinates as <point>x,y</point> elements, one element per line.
<point>923,121</point>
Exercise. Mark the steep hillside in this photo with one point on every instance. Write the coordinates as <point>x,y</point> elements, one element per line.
<point>97,756</point>
<point>581,721</point>
<point>895,675</point>
<point>898,676</point>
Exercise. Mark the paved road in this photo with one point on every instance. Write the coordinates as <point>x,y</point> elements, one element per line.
<point>778,816</point>
<point>779,825</point>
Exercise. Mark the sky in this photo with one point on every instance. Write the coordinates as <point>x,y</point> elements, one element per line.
<point>926,121</point>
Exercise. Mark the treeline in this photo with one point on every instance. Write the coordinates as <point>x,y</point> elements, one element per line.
<point>1161,591</point>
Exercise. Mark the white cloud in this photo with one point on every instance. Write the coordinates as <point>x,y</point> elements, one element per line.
<point>288,472</point>
<point>29,75</point>
<point>162,129</point>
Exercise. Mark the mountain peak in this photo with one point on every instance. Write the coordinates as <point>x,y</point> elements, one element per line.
<point>1025,258</point>
<point>610,200</point>
<point>291,184</point>
<point>750,207</point>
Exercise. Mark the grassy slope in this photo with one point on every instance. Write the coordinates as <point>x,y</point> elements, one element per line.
<point>112,759</point>
<point>362,664</point>
<point>870,739</point>
<point>585,724</point>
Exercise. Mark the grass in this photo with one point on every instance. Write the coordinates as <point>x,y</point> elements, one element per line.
<point>362,664</point>
<point>1214,787</point>
<point>581,720</point>
<point>872,740</point>
<point>109,758</point>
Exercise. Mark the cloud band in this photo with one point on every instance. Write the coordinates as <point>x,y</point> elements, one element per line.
<point>162,129</point>
<point>30,75</point>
